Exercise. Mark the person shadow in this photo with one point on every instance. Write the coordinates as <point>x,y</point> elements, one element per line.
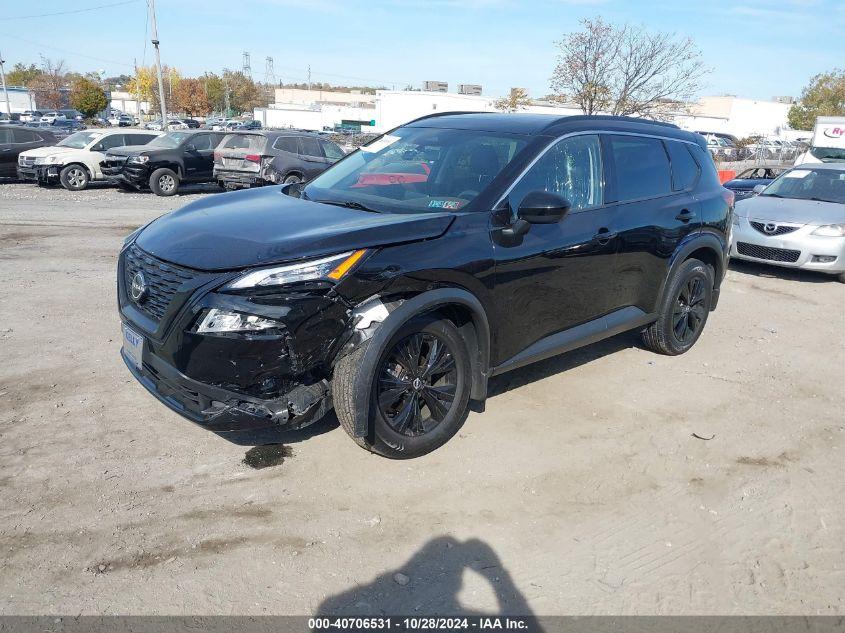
<point>429,583</point>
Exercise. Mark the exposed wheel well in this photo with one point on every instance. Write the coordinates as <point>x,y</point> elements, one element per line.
<point>464,320</point>
<point>709,257</point>
<point>83,165</point>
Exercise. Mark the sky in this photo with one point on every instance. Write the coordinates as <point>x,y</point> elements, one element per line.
<point>754,48</point>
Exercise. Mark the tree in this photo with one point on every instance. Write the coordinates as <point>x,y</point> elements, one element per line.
<point>143,83</point>
<point>22,75</point>
<point>627,70</point>
<point>87,97</point>
<point>516,100</point>
<point>824,96</point>
<point>215,90</point>
<point>244,95</point>
<point>190,97</point>
<point>48,85</point>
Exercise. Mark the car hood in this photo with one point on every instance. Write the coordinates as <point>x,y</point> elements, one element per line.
<point>746,183</point>
<point>131,150</point>
<point>263,226</point>
<point>48,151</point>
<point>791,210</point>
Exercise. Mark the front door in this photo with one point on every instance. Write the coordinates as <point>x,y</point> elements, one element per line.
<point>557,276</point>
<point>199,157</point>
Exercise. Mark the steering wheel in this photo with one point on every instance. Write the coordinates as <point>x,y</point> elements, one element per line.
<point>468,193</point>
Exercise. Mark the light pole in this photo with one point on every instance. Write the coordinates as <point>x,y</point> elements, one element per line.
<point>158,66</point>
<point>5,92</point>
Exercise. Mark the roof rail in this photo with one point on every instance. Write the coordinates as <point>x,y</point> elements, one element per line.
<point>437,114</point>
<point>605,117</point>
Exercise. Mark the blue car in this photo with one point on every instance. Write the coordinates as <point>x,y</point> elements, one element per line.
<point>743,185</point>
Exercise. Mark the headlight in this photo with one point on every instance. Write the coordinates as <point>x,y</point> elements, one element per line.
<point>138,159</point>
<point>216,321</point>
<point>831,230</point>
<point>46,160</point>
<point>329,269</point>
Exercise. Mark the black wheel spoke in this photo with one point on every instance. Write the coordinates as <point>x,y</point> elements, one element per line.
<point>403,419</point>
<point>390,397</point>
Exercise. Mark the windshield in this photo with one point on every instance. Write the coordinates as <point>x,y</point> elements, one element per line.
<point>827,185</point>
<point>170,140</point>
<point>829,154</point>
<point>418,169</point>
<point>79,140</point>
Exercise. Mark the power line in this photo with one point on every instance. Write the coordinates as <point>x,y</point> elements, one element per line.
<point>67,52</point>
<point>47,15</point>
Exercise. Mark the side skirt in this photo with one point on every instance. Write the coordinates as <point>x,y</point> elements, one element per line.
<point>587,333</point>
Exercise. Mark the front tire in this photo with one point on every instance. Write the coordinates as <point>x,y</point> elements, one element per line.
<point>684,310</point>
<point>74,178</point>
<point>291,179</point>
<point>419,392</point>
<point>841,278</point>
<point>164,182</point>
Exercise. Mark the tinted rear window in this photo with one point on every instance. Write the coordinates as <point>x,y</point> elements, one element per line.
<point>708,167</point>
<point>254,142</point>
<point>309,146</point>
<point>642,167</point>
<point>684,168</point>
<point>25,136</point>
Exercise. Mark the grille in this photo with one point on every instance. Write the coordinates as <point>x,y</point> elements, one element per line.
<point>765,252</point>
<point>163,280</point>
<point>113,162</point>
<point>780,229</point>
<point>26,161</point>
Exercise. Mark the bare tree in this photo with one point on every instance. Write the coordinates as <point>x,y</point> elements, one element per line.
<point>627,70</point>
<point>48,84</point>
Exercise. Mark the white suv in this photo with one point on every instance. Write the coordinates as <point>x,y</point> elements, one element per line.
<point>75,161</point>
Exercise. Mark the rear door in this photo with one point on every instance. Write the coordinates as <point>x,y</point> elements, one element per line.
<point>657,211</point>
<point>311,155</point>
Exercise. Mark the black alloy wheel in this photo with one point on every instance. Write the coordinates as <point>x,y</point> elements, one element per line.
<point>690,312</point>
<point>416,384</point>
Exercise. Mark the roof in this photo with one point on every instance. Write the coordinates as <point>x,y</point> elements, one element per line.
<point>546,124</point>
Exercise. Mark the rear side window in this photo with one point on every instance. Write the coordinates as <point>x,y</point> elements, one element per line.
<point>287,144</point>
<point>139,139</point>
<point>684,168</point>
<point>572,168</point>
<point>331,150</point>
<point>25,136</point>
<point>642,167</point>
<point>708,167</point>
<point>309,146</point>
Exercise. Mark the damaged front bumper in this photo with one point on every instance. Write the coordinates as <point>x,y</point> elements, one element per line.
<point>222,410</point>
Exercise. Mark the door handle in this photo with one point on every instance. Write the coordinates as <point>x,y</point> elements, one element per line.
<point>604,235</point>
<point>685,215</point>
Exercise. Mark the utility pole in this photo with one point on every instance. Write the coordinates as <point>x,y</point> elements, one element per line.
<point>152,5</point>
<point>137,91</point>
<point>226,91</point>
<point>309,77</point>
<point>5,92</point>
<point>247,67</point>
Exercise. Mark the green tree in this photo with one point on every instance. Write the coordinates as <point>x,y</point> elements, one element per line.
<point>516,100</point>
<point>189,96</point>
<point>824,96</point>
<point>22,75</point>
<point>87,97</point>
<point>215,90</point>
<point>244,94</point>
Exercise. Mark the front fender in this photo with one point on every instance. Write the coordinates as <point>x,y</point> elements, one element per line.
<point>421,304</point>
<point>714,243</point>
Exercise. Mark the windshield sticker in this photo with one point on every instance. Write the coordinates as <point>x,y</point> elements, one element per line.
<point>380,143</point>
<point>797,173</point>
<point>445,204</point>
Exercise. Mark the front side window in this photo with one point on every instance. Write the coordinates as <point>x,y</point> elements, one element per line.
<point>309,147</point>
<point>331,150</point>
<point>24,136</point>
<point>201,142</point>
<point>287,144</point>
<point>169,140</point>
<point>641,166</point>
<point>571,168</point>
<point>79,140</point>
<point>112,140</point>
<point>416,169</point>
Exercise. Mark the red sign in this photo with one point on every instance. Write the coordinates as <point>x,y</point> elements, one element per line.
<point>834,132</point>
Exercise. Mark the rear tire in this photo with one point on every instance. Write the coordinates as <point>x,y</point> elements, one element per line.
<point>684,310</point>
<point>412,409</point>
<point>164,182</point>
<point>74,178</point>
<point>291,179</point>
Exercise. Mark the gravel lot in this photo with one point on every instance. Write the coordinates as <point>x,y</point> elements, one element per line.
<point>581,490</point>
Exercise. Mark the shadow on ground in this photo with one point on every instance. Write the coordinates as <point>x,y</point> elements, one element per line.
<point>429,584</point>
<point>780,272</point>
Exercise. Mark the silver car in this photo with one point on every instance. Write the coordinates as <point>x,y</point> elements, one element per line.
<point>797,221</point>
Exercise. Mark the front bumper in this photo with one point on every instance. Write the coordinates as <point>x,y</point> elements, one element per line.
<point>43,174</point>
<point>796,249</point>
<point>230,382</point>
<point>136,175</point>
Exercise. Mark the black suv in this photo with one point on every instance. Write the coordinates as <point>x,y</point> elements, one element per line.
<point>165,162</point>
<point>247,159</point>
<point>16,139</point>
<point>451,249</point>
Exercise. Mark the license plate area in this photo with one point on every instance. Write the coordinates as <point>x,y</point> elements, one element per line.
<point>133,346</point>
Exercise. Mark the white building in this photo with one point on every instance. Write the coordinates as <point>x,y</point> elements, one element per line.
<point>312,110</point>
<point>127,102</point>
<point>20,99</point>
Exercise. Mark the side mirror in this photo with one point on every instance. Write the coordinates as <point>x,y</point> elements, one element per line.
<point>758,189</point>
<point>538,207</point>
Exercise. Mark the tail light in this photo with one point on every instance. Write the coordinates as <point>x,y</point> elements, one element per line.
<point>253,158</point>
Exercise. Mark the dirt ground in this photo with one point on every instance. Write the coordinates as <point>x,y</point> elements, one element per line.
<point>580,490</point>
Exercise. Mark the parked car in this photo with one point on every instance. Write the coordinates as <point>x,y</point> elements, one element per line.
<point>797,221</point>
<point>122,120</point>
<point>248,159</point>
<point>226,124</point>
<point>392,293</point>
<point>15,139</point>
<point>31,115</point>
<point>172,124</point>
<point>75,161</point>
<point>192,124</point>
<point>250,124</point>
<point>51,117</point>
<point>165,163</point>
<point>72,115</point>
<point>63,128</point>
<point>745,182</point>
